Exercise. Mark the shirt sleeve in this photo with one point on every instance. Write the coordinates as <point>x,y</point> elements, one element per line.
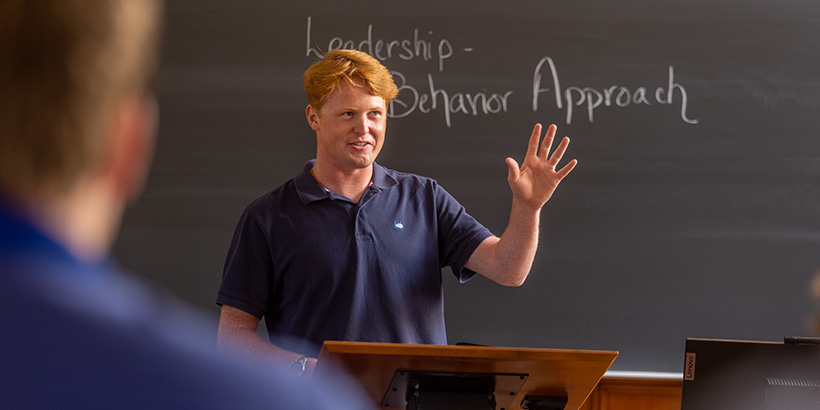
<point>459,234</point>
<point>248,272</point>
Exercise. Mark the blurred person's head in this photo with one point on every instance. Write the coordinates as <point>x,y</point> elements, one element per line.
<point>77,119</point>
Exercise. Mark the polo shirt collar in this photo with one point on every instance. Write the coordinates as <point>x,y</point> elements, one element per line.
<point>381,179</point>
<point>310,190</point>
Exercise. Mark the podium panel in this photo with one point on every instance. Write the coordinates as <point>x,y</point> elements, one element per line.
<point>525,377</point>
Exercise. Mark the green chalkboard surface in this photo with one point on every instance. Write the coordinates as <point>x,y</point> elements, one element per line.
<point>694,210</point>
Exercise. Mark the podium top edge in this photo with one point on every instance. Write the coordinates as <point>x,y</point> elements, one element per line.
<point>429,349</point>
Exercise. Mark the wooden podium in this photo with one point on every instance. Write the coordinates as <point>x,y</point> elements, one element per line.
<point>432,377</point>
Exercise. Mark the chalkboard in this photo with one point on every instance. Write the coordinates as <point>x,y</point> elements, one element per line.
<point>693,211</point>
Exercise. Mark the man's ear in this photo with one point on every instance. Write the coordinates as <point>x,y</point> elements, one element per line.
<point>312,117</point>
<point>132,146</point>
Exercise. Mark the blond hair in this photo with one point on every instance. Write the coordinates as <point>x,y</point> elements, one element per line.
<point>63,64</point>
<point>327,74</point>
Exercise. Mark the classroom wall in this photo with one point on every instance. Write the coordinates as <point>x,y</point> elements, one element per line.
<point>693,211</point>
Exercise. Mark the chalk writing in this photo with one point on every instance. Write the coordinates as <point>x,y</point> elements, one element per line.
<point>411,99</point>
<point>407,49</point>
<point>429,98</point>
<point>614,95</point>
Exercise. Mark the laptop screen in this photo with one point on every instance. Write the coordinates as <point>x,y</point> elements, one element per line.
<point>743,375</point>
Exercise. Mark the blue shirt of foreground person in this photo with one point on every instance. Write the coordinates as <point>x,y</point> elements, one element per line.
<point>76,135</point>
<point>346,277</point>
<point>79,335</point>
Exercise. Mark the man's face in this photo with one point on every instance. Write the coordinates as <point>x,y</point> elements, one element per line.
<point>349,128</point>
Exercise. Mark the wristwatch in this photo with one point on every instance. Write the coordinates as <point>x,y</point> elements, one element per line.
<point>298,366</point>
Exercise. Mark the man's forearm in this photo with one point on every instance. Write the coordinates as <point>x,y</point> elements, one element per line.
<point>237,333</point>
<point>507,260</point>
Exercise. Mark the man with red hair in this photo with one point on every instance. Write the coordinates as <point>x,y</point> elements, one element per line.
<point>351,250</point>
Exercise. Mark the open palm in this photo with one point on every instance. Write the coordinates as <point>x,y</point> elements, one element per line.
<point>537,178</point>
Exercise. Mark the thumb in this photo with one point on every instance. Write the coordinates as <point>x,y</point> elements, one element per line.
<point>514,170</point>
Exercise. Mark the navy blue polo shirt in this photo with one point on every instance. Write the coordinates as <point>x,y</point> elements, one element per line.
<point>318,266</point>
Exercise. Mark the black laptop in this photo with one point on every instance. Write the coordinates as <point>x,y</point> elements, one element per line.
<point>745,375</point>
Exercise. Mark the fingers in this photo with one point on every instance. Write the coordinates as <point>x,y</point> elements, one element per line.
<point>547,143</point>
<point>543,152</point>
<point>563,172</point>
<point>535,137</point>
<point>559,152</point>
<point>556,158</point>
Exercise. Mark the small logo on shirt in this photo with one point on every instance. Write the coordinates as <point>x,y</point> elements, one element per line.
<point>398,225</point>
